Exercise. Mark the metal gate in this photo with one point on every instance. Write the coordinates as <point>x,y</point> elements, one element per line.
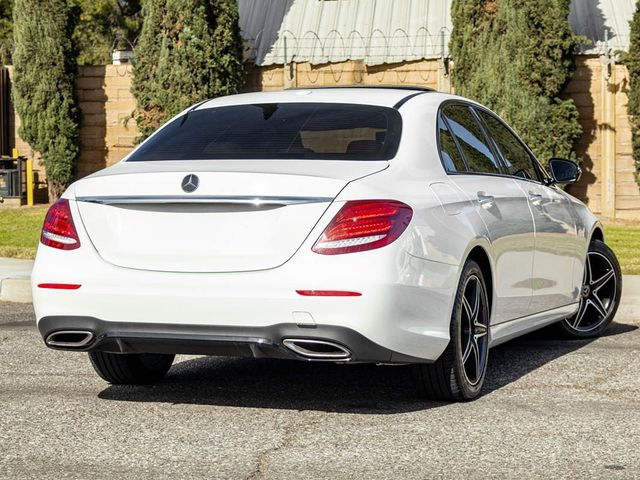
<point>4,111</point>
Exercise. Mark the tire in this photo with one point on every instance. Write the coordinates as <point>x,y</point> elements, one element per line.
<point>131,368</point>
<point>458,375</point>
<point>599,296</point>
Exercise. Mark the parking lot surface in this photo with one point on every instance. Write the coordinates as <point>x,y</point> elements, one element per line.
<point>551,409</point>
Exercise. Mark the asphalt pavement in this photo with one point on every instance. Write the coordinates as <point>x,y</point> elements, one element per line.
<point>551,408</point>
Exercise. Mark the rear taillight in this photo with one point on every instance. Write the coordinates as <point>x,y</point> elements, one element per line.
<point>58,230</point>
<point>364,225</point>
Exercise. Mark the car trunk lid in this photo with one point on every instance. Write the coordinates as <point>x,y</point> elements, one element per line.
<point>243,215</point>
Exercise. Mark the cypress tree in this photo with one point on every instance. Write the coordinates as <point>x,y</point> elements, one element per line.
<point>632,60</point>
<point>6,31</point>
<point>44,67</point>
<point>516,56</point>
<point>188,50</point>
<point>229,74</point>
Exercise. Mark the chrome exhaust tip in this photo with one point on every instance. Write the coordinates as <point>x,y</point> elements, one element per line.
<point>317,349</point>
<point>69,339</point>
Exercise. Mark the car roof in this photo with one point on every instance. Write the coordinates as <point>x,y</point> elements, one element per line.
<point>387,96</point>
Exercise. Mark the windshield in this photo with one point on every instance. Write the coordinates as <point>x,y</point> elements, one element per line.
<point>303,131</point>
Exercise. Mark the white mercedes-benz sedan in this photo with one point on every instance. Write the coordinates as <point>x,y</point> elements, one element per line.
<point>384,225</point>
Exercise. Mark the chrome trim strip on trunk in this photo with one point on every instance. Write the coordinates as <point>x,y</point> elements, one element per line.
<point>201,199</point>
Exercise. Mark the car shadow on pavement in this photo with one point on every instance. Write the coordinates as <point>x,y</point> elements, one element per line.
<point>363,389</point>
<point>514,359</point>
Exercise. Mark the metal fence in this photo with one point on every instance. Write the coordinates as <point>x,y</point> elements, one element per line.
<point>376,48</point>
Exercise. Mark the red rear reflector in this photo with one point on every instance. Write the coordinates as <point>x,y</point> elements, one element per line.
<point>364,225</point>
<point>328,293</point>
<point>60,286</point>
<point>59,230</point>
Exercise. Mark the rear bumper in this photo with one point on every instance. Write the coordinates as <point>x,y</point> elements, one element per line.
<point>404,306</point>
<point>258,342</point>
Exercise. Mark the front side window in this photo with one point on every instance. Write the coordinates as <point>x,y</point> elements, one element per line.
<point>471,139</point>
<point>300,131</point>
<point>451,158</point>
<point>516,157</point>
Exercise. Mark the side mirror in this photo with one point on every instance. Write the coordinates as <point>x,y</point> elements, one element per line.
<point>564,171</point>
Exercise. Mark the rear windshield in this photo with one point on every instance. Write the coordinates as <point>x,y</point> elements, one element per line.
<point>305,131</point>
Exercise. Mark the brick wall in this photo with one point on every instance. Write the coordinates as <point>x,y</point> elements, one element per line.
<point>107,131</point>
<point>426,73</point>
<point>106,103</point>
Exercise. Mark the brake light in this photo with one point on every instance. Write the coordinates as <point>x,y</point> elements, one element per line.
<point>59,230</point>
<point>364,225</point>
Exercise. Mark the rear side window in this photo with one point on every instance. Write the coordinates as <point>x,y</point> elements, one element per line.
<point>516,157</point>
<point>471,139</point>
<point>449,153</point>
<point>304,131</point>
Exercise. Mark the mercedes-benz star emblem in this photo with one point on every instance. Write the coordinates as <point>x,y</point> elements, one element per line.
<point>190,183</point>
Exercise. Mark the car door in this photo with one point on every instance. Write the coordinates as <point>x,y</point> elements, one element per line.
<point>501,204</point>
<point>556,242</point>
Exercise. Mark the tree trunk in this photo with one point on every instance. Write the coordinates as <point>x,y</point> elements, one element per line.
<point>55,190</point>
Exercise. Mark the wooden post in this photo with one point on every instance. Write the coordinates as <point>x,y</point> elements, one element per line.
<point>608,144</point>
<point>289,69</point>
<point>290,74</point>
<point>444,76</point>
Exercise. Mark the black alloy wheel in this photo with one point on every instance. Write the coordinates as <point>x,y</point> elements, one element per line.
<point>599,295</point>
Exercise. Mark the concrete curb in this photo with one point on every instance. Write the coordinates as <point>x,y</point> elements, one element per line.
<point>631,289</point>
<point>15,280</point>
<point>17,290</point>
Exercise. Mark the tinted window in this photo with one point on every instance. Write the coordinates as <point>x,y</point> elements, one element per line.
<point>516,157</point>
<point>278,131</point>
<point>471,139</point>
<point>449,153</point>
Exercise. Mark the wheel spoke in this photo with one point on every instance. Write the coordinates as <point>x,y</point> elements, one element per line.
<point>602,281</point>
<point>581,310</point>
<point>476,359</point>
<point>467,351</point>
<point>597,304</point>
<point>467,307</point>
<point>587,271</point>
<point>476,306</point>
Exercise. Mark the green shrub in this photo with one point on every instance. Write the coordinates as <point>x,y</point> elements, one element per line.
<point>44,67</point>
<point>189,50</point>
<point>632,60</point>
<point>516,56</point>
<point>105,25</point>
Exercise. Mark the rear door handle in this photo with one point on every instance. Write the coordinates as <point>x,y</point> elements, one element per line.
<point>484,199</point>
<point>535,198</point>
